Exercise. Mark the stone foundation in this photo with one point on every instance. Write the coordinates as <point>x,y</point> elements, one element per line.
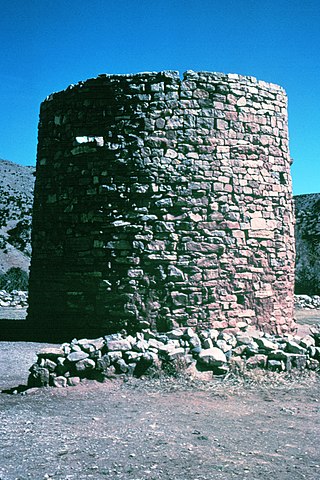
<point>180,351</point>
<point>161,203</point>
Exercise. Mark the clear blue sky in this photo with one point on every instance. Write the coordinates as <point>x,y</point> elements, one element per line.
<point>49,44</point>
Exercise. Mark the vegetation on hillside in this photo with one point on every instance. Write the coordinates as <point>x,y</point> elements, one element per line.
<point>307,232</point>
<point>16,199</point>
<point>14,279</point>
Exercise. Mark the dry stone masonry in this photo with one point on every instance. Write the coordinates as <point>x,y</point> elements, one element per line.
<point>178,351</point>
<point>16,299</point>
<point>307,302</point>
<point>162,203</point>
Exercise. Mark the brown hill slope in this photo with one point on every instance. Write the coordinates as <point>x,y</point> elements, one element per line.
<point>307,232</point>
<point>16,198</point>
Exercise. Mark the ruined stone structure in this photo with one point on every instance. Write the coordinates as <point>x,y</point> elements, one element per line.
<point>162,202</point>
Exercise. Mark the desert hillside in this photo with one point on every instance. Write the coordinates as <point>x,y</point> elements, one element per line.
<point>16,197</point>
<point>308,243</point>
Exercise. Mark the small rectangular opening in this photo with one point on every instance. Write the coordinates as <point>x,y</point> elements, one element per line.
<point>282,178</point>
<point>99,141</point>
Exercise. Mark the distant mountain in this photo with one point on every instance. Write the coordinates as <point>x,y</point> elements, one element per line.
<point>307,233</point>
<point>16,198</point>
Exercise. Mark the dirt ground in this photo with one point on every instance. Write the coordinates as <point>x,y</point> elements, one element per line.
<point>262,427</point>
<point>10,313</point>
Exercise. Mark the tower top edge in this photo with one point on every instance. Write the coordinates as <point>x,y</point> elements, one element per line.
<point>172,76</point>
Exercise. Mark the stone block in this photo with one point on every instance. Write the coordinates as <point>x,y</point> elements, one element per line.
<point>120,345</point>
<point>179,299</point>
<point>212,357</point>
<point>59,382</point>
<point>257,361</point>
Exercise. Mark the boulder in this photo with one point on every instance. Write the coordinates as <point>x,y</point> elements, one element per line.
<point>52,353</point>
<point>39,376</point>
<point>212,357</point>
<point>49,364</point>
<point>84,365</point>
<point>120,345</point>
<point>144,362</point>
<point>59,382</point>
<point>257,361</point>
<point>276,365</point>
<point>293,347</point>
<point>307,341</point>
<point>121,366</point>
<point>103,363</point>
<point>73,381</point>
<point>77,356</point>
<point>175,334</point>
<point>194,342</point>
<point>223,345</point>
<point>265,344</point>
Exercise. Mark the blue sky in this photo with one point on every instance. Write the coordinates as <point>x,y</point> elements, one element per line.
<point>49,44</point>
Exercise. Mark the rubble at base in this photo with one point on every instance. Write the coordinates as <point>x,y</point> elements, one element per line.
<point>307,301</point>
<point>15,299</point>
<point>147,353</point>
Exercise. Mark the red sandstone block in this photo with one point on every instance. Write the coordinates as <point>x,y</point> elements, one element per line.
<point>219,324</point>
<point>261,234</point>
<point>215,216</point>
<point>210,283</point>
<point>204,247</point>
<point>222,125</point>
<point>219,105</point>
<point>232,99</point>
<point>206,262</point>
<point>210,274</point>
<point>238,234</point>
<point>213,306</point>
<point>230,298</point>
<point>199,93</point>
<point>247,313</point>
<point>218,187</point>
<point>231,225</point>
<point>244,275</point>
<point>258,223</point>
<point>223,179</point>
<point>231,116</point>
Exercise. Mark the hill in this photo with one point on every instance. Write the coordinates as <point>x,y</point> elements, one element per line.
<point>16,198</point>
<point>307,232</point>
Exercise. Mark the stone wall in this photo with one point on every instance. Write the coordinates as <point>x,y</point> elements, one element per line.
<point>162,202</point>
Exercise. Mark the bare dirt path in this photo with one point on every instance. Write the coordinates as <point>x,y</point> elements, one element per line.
<point>11,313</point>
<point>157,429</point>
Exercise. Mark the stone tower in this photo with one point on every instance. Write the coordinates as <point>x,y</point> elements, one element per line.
<point>162,202</point>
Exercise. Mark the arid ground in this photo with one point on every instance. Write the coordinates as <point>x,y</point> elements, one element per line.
<point>265,426</point>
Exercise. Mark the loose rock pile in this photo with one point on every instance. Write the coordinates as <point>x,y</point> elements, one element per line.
<point>179,349</point>
<point>17,299</point>
<point>306,301</point>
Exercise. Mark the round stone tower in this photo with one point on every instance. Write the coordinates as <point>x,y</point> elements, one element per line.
<point>162,202</point>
